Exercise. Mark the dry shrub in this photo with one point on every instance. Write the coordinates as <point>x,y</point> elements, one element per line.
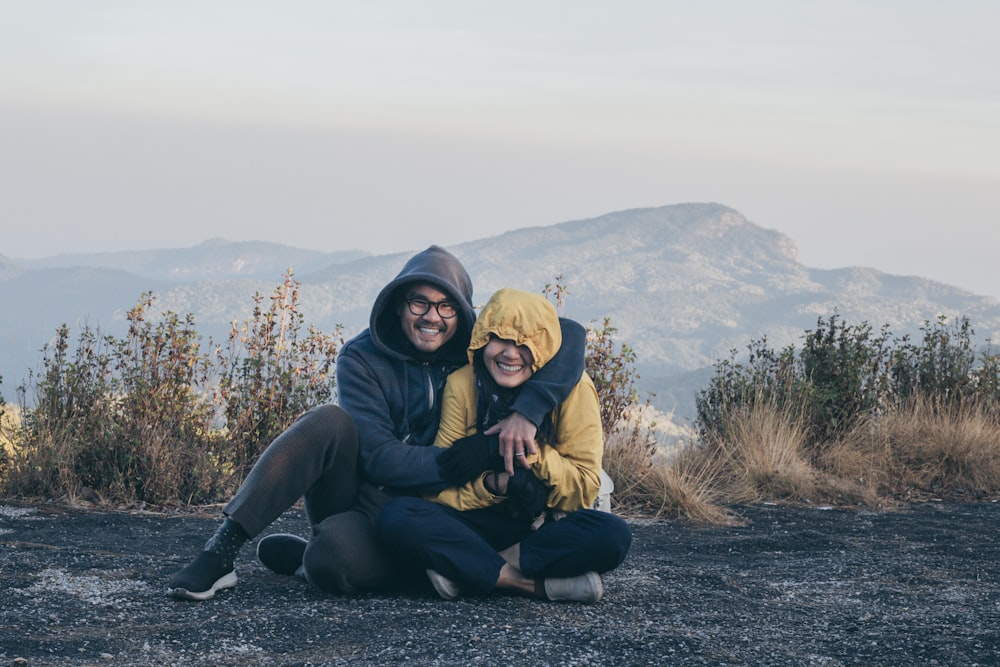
<point>172,469</point>
<point>9,418</point>
<point>683,487</point>
<point>8,439</point>
<point>761,457</point>
<point>924,448</point>
<point>47,462</point>
<point>150,417</point>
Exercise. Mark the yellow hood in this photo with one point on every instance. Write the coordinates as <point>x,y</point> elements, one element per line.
<point>526,318</point>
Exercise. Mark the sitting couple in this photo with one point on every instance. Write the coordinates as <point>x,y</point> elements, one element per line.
<point>505,507</point>
<point>482,535</point>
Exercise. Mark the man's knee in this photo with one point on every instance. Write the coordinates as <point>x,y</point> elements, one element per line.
<point>331,418</point>
<point>344,556</point>
<point>328,566</point>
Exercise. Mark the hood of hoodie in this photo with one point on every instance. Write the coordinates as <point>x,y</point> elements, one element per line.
<point>523,317</point>
<point>440,268</point>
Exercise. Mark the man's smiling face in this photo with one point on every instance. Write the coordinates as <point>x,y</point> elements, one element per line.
<point>427,331</point>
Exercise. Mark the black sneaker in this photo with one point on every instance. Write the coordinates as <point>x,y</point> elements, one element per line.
<point>282,552</point>
<point>202,578</point>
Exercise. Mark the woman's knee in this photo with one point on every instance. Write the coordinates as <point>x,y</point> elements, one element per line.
<point>604,537</point>
<point>615,543</point>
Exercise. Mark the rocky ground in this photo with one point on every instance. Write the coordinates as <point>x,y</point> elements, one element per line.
<point>791,586</point>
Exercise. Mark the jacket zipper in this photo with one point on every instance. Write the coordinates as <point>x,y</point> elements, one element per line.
<point>430,387</point>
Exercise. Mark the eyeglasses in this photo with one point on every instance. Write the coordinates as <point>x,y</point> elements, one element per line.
<point>418,306</point>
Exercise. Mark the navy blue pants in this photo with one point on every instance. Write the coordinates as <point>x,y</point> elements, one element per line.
<point>463,546</point>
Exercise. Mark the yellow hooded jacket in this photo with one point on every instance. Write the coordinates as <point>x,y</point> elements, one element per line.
<point>571,466</point>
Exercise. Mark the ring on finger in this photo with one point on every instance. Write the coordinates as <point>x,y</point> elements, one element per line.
<point>518,453</point>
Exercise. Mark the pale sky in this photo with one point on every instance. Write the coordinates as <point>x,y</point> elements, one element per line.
<point>867,131</point>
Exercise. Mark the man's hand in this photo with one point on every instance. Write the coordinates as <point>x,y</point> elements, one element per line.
<point>527,495</point>
<point>517,439</point>
<point>468,457</point>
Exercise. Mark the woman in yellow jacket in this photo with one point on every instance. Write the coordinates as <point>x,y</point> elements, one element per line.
<point>500,530</point>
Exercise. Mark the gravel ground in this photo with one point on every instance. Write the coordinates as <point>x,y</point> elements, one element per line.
<point>791,586</point>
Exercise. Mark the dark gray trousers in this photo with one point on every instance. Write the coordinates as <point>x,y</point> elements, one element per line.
<point>316,459</point>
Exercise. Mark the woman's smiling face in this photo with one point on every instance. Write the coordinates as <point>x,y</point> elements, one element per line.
<point>507,363</point>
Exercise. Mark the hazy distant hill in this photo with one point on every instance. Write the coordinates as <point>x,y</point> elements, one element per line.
<point>216,259</point>
<point>683,284</point>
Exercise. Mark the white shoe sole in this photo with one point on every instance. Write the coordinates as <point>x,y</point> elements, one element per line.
<point>445,587</point>
<point>226,581</point>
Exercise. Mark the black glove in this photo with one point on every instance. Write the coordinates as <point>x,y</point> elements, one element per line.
<point>468,457</point>
<point>527,496</point>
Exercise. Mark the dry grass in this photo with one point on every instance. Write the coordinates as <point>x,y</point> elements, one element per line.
<point>924,449</point>
<point>683,487</point>
<point>762,456</point>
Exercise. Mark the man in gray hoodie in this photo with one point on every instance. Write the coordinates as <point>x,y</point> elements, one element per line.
<point>347,461</point>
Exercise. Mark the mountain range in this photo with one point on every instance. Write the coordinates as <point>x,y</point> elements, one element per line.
<point>684,285</point>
